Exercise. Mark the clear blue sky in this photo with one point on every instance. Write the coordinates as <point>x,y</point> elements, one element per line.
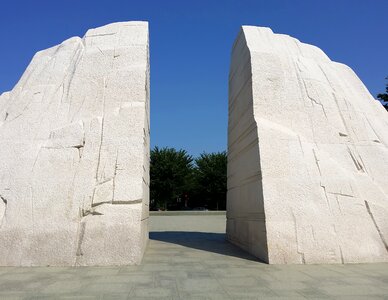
<point>190,49</point>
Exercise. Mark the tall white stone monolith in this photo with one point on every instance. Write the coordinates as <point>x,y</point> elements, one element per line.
<point>74,155</point>
<point>307,155</point>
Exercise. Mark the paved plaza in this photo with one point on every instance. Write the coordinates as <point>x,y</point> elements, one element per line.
<point>188,258</point>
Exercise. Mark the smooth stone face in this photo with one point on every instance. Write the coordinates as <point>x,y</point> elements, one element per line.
<point>74,155</point>
<point>307,155</point>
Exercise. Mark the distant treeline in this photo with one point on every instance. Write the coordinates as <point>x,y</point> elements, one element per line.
<point>180,182</point>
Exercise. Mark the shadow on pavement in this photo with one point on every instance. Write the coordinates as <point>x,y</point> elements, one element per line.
<point>206,241</point>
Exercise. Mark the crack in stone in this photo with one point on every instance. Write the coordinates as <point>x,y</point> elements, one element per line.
<point>377,227</point>
<point>127,201</point>
<point>300,144</point>
<point>79,109</point>
<point>339,110</point>
<point>317,162</point>
<point>76,58</point>
<point>338,203</point>
<point>358,165</point>
<point>80,239</point>
<point>341,194</point>
<point>64,147</point>
<point>327,199</point>
<point>99,49</point>
<point>301,253</point>
<point>5,209</point>
<point>114,177</point>
<point>375,132</point>
<point>313,233</point>
<point>80,148</point>
<point>86,212</point>
<point>102,129</point>
<point>313,100</point>
<point>4,200</point>
<point>104,181</point>
<point>99,149</point>
<point>342,255</point>
<point>101,34</point>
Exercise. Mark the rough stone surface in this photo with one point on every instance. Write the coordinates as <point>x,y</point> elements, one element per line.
<point>308,155</point>
<point>74,155</point>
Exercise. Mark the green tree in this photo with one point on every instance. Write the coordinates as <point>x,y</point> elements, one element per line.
<point>170,175</point>
<point>210,179</point>
<point>384,97</point>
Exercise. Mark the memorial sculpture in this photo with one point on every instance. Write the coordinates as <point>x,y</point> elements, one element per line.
<point>74,155</point>
<point>307,155</point>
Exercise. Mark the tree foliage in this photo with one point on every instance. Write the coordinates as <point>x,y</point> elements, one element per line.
<point>210,179</point>
<point>170,175</point>
<point>179,182</point>
<point>384,97</point>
